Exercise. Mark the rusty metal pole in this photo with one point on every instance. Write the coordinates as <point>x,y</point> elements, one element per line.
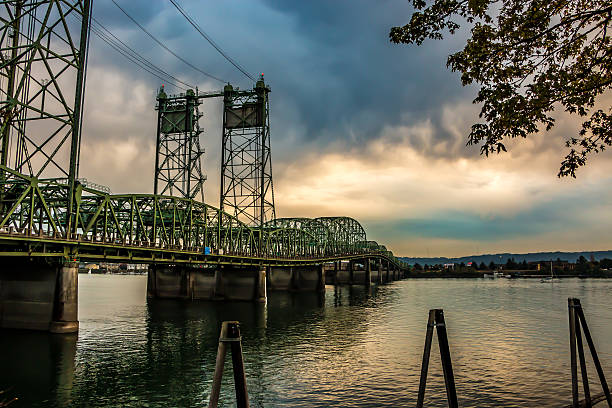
<point>221,351</point>
<point>426,353</point>
<point>436,319</point>
<point>583,367</point>
<point>574,368</point>
<point>233,336</point>
<point>230,333</point>
<point>589,339</point>
<point>447,366</point>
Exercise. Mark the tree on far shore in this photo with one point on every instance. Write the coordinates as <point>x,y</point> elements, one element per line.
<point>528,58</point>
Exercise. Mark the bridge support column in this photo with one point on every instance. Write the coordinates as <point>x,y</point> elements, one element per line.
<point>36,295</point>
<point>261,289</point>
<point>343,275</point>
<point>380,272</point>
<point>173,282</point>
<point>66,303</point>
<point>280,278</point>
<point>297,278</point>
<point>241,284</point>
<point>368,273</point>
<point>334,273</point>
<point>322,283</point>
<point>356,275</point>
<point>221,283</point>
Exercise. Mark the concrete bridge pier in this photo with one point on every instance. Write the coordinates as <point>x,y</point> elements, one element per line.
<point>39,295</point>
<point>297,278</point>
<point>334,273</point>
<point>209,283</point>
<point>341,273</point>
<point>387,274</point>
<point>373,271</point>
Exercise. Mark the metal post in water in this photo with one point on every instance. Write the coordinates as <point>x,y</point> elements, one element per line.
<point>576,320</point>
<point>573,361</point>
<point>230,333</point>
<point>234,338</point>
<point>436,319</point>
<point>447,366</point>
<point>426,353</point>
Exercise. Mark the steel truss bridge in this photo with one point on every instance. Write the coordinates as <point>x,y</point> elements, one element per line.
<point>148,228</point>
<point>47,212</point>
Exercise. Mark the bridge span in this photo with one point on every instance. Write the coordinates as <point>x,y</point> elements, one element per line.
<point>195,251</point>
<point>51,220</point>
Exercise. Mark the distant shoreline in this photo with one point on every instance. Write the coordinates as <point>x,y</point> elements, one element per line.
<point>473,275</point>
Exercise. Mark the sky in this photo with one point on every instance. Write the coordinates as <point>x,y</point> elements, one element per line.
<point>360,127</point>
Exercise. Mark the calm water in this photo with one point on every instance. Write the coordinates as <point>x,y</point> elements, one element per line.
<point>348,348</point>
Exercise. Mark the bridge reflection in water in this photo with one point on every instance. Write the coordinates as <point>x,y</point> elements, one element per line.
<point>163,352</point>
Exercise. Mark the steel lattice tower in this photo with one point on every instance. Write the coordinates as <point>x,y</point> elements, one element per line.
<point>43,57</point>
<point>246,167</point>
<point>178,165</point>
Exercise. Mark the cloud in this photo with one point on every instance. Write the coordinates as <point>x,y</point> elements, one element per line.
<point>360,127</point>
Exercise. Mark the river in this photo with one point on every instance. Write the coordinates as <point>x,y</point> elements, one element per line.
<point>347,348</point>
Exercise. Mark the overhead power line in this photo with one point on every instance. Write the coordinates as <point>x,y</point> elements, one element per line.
<point>133,56</point>
<point>128,52</point>
<point>164,46</point>
<point>210,40</point>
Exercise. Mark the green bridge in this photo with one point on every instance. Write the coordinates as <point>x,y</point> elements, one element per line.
<point>51,220</point>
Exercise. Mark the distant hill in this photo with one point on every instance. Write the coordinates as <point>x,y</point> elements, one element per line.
<point>503,258</point>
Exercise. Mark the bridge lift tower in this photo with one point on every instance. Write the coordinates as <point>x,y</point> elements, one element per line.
<point>246,165</point>
<point>178,165</point>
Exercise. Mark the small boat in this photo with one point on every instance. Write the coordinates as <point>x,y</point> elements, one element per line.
<point>494,275</point>
<point>550,278</point>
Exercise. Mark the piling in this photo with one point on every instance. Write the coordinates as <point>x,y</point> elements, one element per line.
<point>436,319</point>
<point>230,335</point>
<point>576,322</point>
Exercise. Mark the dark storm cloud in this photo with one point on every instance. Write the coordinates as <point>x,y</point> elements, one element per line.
<point>333,72</point>
<point>357,82</point>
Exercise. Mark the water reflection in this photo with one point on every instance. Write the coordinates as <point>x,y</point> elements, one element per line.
<point>37,367</point>
<point>349,347</point>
